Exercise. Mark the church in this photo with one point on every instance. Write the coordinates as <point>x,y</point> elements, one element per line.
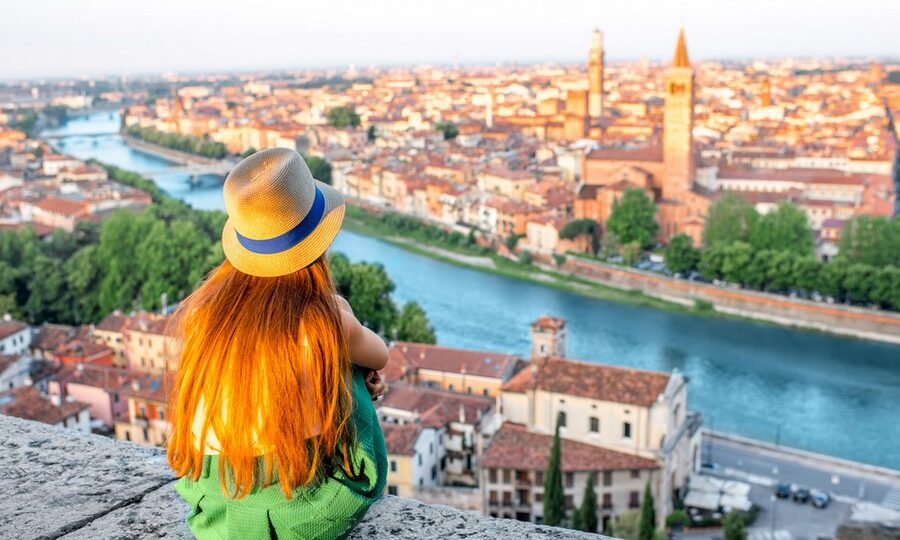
<point>665,172</point>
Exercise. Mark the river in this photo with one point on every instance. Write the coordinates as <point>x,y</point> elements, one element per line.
<point>817,392</point>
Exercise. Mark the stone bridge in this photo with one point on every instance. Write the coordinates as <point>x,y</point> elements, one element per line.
<point>56,483</point>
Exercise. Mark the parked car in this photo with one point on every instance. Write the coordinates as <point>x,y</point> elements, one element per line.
<point>783,490</point>
<point>820,499</point>
<point>801,495</point>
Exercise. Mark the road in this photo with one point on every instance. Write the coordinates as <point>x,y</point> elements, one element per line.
<point>783,519</point>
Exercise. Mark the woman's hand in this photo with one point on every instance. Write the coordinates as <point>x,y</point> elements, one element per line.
<point>375,384</point>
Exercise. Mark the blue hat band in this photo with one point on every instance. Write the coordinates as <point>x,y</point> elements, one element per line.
<point>291,238</point>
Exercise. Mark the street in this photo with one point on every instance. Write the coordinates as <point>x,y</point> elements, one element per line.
<point>784,519</point>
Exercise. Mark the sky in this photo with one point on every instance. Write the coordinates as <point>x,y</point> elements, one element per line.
<point>62,38</point>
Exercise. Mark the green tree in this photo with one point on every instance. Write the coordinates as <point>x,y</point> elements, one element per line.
<point>647,525</point>
<point>858,282</point>
<point>625,525</point>
<point>633,219</point>
<point>631,252</point>
<point>342,117</point>
<point>871,240</point>
<point>413,325</point>
<point>248,152</point>
<point>733,526</point>
<point>780,271</point>
<point>449,129</point>
<point>554,502</point>
<point>586,515</point>
<point>831,278</point>
<point>370,134</point>
<point>609,245</point>
<point>681,255</point>
<point>886,288</point>
<point>784,229</point>
<point>736,262</point>
<point>319,168</point>
<point>730,219</point>
<point>711,261</point>
<point>577,227</point>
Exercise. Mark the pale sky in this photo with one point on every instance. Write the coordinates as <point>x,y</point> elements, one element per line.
<point>40,38</point>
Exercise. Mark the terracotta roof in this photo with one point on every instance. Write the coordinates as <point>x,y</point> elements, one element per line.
<point>7,360</point>
<point>26,402</point>
<point>66,207</point>
<point>104,377</point>
<point>594,381</point>
<point>651,153</point>
<point>546,322</point>
<point>406,356</point>
<point>51,336</point>
<point>114,322</point>
<point>514,447</point>
<point>401,439</point>
<point>8,328</point>
<point>436,408</point>
<point>147,387</point>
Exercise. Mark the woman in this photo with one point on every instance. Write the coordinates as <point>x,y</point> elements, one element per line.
<point>274,434</point>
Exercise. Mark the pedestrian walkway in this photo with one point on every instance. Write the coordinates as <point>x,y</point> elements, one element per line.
<point>892,499</point>
<point>766,534</point>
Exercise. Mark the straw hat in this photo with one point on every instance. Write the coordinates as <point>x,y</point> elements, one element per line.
<point>280,219</point>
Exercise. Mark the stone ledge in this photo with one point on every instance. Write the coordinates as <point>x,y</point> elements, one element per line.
<point>56,483</point>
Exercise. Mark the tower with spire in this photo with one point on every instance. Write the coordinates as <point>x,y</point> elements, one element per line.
<point>595,77</point>
<point>678,124</point>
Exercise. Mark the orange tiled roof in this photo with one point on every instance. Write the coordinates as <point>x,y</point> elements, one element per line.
<point>8,328</point>
<point>593,381</point>
<point>26,402</point>
<point>514,447</point>
<point>436,408</point>
<point>401,439</point>
<point>405,355</point>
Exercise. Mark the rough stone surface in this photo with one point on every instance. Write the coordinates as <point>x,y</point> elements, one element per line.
<point>56,483</point>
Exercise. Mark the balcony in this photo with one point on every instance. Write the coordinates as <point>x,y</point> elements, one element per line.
<point>103,488</point>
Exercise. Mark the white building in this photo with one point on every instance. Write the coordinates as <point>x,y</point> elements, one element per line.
<point>15,337</point>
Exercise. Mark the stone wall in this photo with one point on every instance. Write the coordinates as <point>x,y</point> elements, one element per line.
<point>832,318</point>
<point>56,483</point>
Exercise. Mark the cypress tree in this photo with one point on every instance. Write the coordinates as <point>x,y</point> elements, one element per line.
<point>647,527</point>
<point>554,502</point>
<point>586,516</point>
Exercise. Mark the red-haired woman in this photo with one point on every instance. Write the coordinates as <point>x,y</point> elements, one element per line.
<point>273,430</point>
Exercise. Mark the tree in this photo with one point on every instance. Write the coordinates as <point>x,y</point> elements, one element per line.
<point>342,117</point>
<point>625,525</point>
<point>730,219</point>
<point>831,278</point>
<point>319,168</point>
<point>780,271</point>
<point>733,526</point>
<point>784,229</point>
<point>711,261</point>
<point>631,252</point>
<point>609,245</point>
<point>858,282</point>
<point>554,502</point>
<point>248,152</point>
<point>586,515</point>
<point>681,255</point>
<point>577,227</point>
<point>449,129</point>
<point>647,525</point>
<point>413,325</point>
<point>871,240</point>
<point>370,134</point>
<point>633,218</point>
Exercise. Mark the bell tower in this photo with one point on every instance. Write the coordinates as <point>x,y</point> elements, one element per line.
<point>678,124</point>
<point>595,77</point>
<point>548,337</point>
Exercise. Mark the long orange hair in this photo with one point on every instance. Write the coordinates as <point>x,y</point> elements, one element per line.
<point>268,360</point>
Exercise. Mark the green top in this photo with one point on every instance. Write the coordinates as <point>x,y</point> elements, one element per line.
<point>326,511</point>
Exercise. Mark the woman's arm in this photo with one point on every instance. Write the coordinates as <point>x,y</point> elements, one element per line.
<point>367,349</point>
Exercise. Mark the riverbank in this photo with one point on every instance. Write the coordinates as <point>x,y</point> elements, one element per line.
<point>176,156</point>
<point>604,281</point>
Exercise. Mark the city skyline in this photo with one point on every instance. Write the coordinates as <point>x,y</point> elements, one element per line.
<point>136,40</point>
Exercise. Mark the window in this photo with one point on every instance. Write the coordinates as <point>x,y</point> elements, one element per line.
<point>492,497</point>
<point>607,478</point>
<point>492,476</point>
<point>507,476</point>
<point>431,448</point>
<point>634,499</point>
<point>595,425</point>
<point>146,434</point>
<point>484,392</point>
<point>421,482</point>
<point>393,466</point>
<point>161,414</point>
<point>626,430</point>
<point>420,459</point>
<point>607,501</point>
<point>469,390</point>
<point>635,473</point>
<point>570,479</point>
<point>562,418</point>
<point>507,498</point>
<point>570,503</point>
<point>523,496</point>
<point>392,490</point>
<point>434,472</point>
<point>539,478</point>
<point>450,387</point>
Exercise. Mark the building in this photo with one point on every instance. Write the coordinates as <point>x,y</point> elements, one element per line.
<point>14,370</point>
<point>100,387</point>
<point>666,174</point>
<point>413,458</point>
<point>453,370</point>
<point>513,468</point>
<point>595,78</point>
<point>145,421</point>
<point>50,337</point>
<point>28,403</point>
<point>462,422</point>
<point>147,347</point>
<point>111,333</point>
<point>15,337</point>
